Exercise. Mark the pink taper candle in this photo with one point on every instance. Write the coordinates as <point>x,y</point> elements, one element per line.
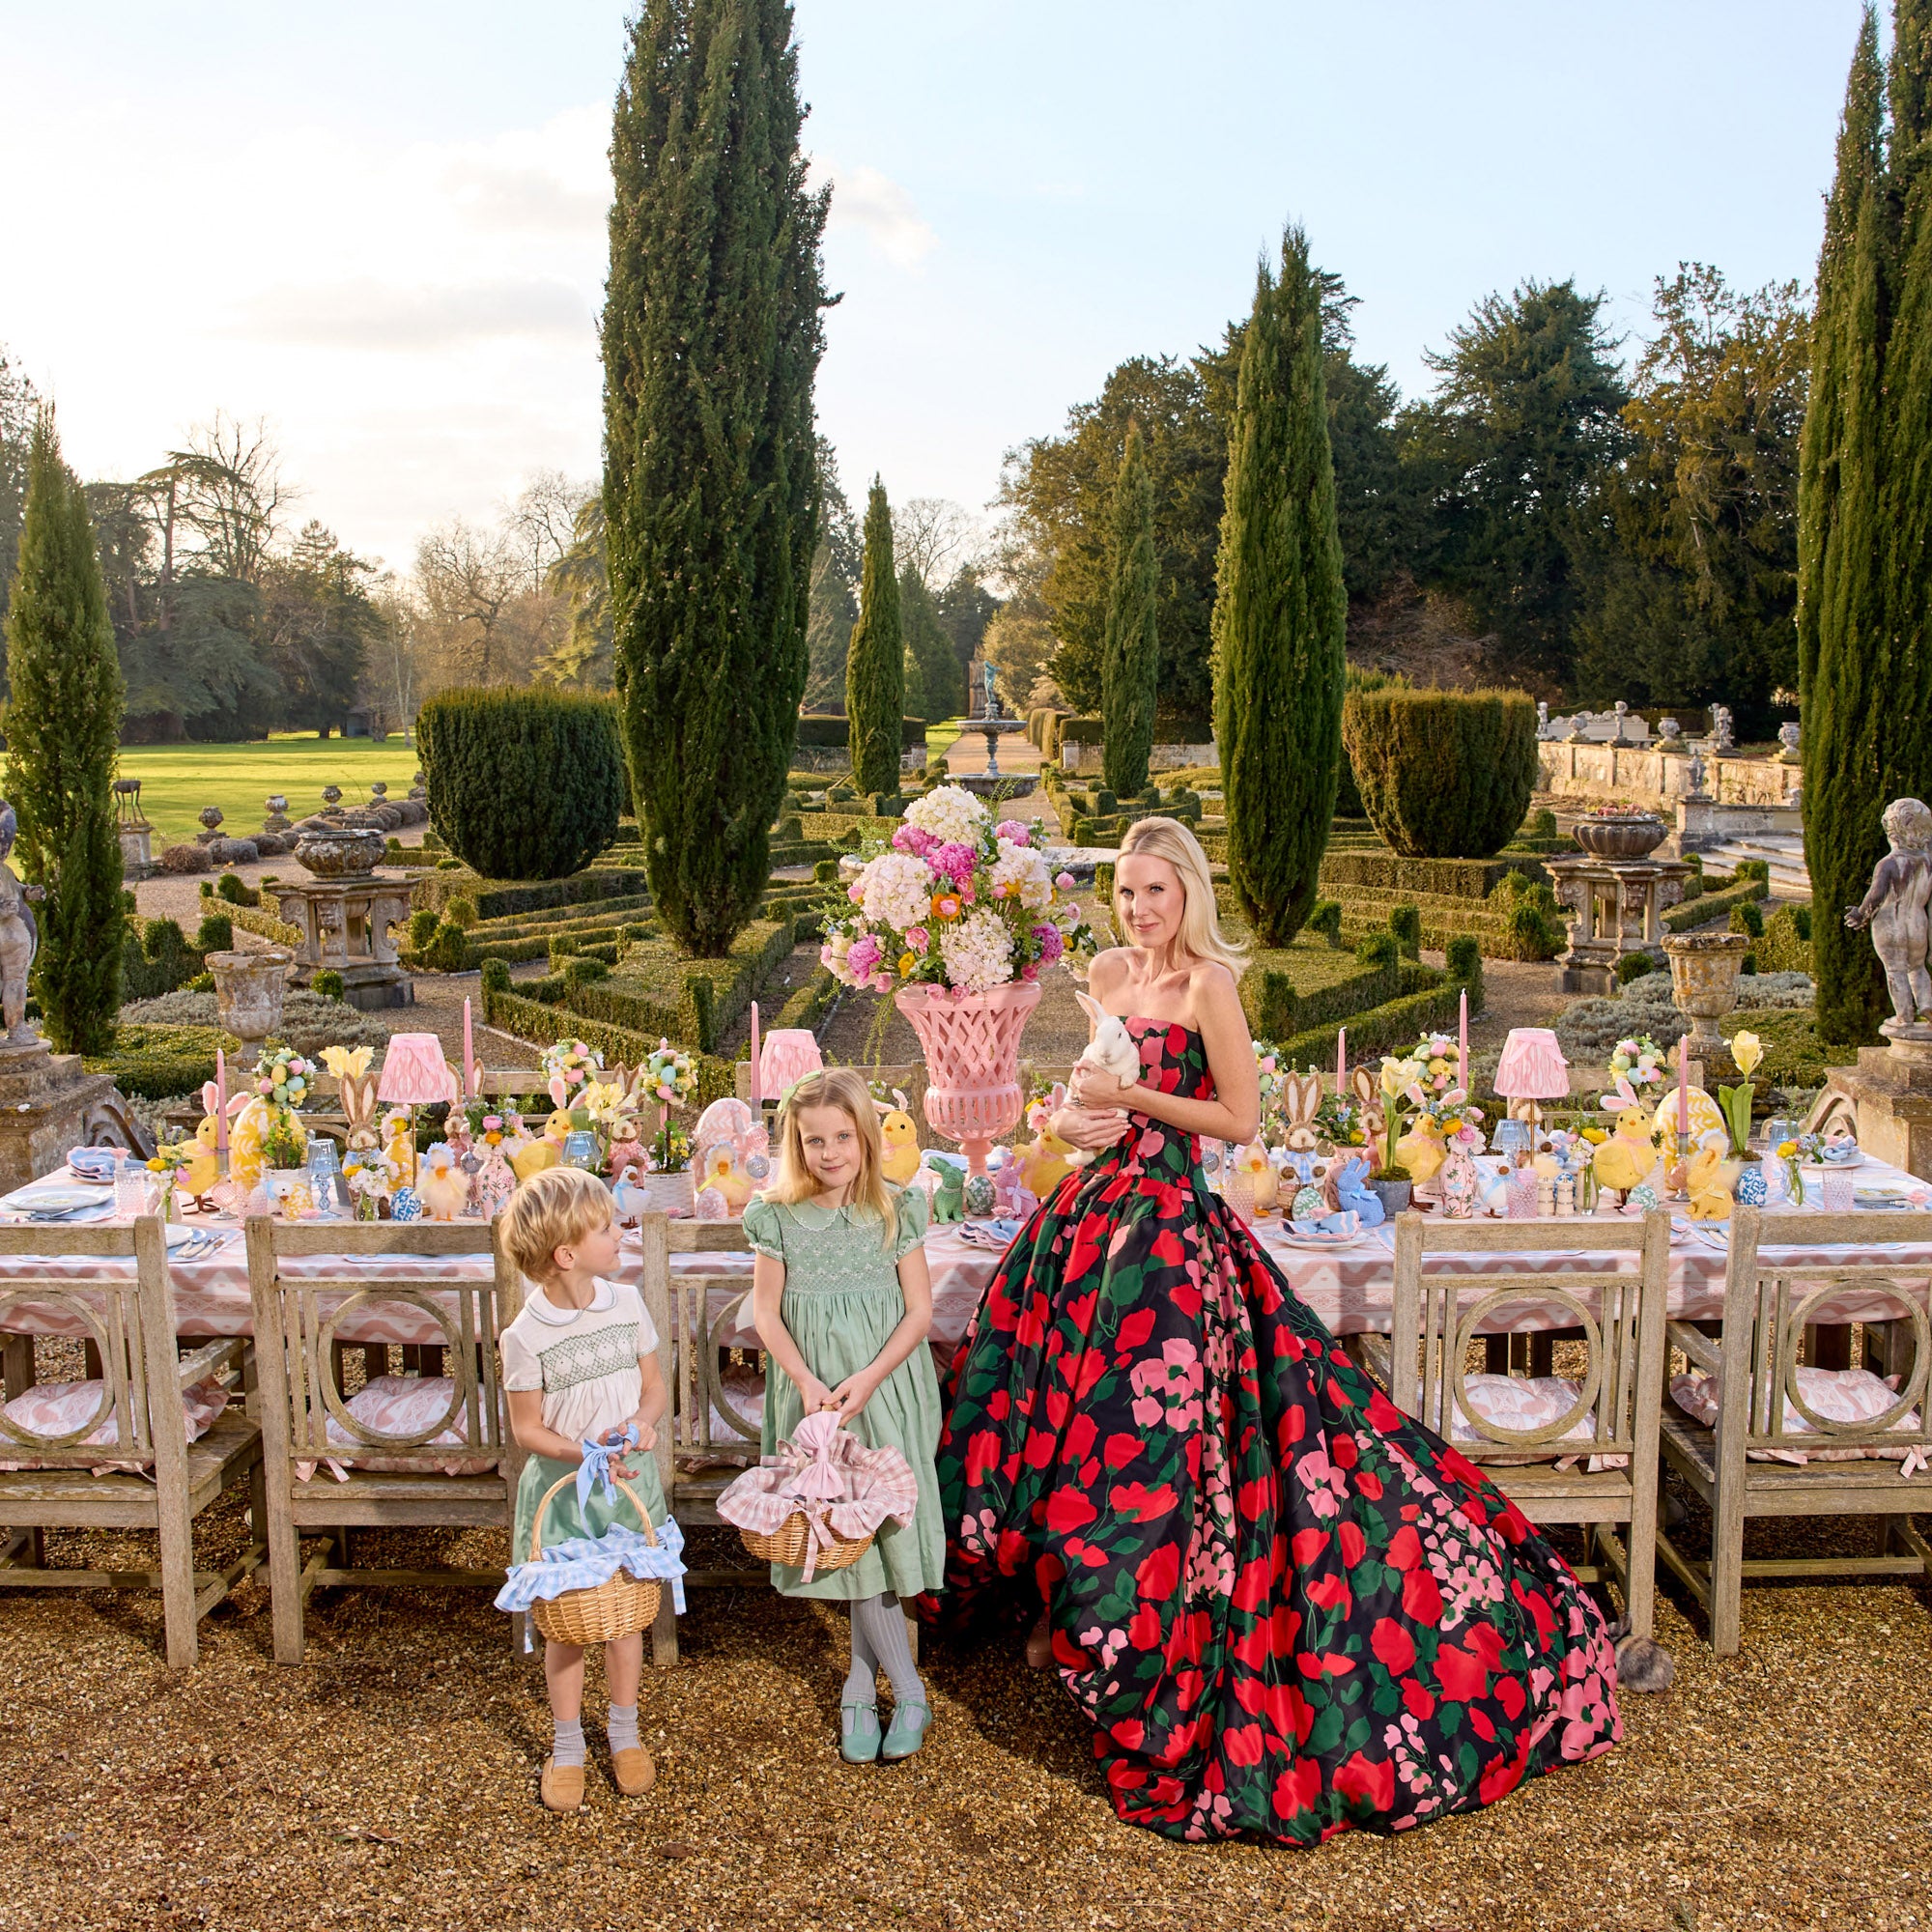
<point>1682,1097</point>
<point>1463,1039</point>
<point>470,1084</point>
<point>757,1096</point>
<point>1341,1058</point>
<point>221,1101</point>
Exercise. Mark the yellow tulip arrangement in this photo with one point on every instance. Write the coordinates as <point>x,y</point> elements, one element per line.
<point>1748,1050</point>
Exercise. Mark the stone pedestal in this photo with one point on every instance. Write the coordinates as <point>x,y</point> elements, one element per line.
<point>1619,906</point>
<point>345,926</point>
<point>137,857</point>
<point>49,1105</point>
<point>1886,1101</point>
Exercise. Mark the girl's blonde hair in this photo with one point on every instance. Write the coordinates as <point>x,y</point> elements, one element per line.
<point>1201,935</point>
<point>551,1211</point>
<point>838,1087</point>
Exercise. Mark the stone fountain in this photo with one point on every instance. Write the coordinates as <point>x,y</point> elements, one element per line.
<point>345,913</point>
<point>1618,893</point>
<point>992,782</point>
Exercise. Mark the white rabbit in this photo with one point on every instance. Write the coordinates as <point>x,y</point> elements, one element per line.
<point>1111,1050</point>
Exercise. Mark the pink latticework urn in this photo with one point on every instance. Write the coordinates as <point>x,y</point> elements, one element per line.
<point>972,1044</point>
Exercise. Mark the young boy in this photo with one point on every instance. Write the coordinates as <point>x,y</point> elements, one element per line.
<point>580,1366</point>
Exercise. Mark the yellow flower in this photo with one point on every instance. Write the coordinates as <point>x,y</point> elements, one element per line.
<point>1596,1136</point>
<point>348,1063</point>
<point>158,1165</point>
<point>1392,1082</point>
<point>906,964</point>
<point>1747,1049</point>
<point>1786,1148</point>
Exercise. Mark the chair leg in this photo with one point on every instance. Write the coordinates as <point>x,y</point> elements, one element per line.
<point>664,1634</point>
<point>1727,1577</point>
<point>1640,1580</point>
<point>178,1611</point>
<point>285,1580</point>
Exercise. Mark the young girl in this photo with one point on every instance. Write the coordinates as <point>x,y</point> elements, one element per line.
<point>841,1300</point>
<point>580,1366</point>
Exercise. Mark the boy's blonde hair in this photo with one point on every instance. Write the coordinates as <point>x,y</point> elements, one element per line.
<point>1201,937</point>
<point>843,1088</point>
<point>551,1211</point>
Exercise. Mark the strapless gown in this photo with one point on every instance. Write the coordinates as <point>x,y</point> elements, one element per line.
<point>1286,1606</point>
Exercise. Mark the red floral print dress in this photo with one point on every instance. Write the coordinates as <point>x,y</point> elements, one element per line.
<point>1286,1606</point>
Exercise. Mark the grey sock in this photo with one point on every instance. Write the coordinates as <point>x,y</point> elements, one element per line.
<point>884,1625</point>
<point>623,1729</point>
<point>862,1680</point>
<point>568,1746</point>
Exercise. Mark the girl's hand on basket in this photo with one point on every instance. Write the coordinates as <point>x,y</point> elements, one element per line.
<point>852,1395</point>
<point>814,1394</point>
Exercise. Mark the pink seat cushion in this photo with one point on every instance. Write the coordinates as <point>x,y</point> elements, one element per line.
<point>58,1408</point>
<point>1849,1397</point>
<point>400,1406</point>
<point>1528,1402</point>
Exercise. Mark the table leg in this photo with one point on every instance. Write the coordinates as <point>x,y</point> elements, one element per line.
<point>16,1364</point>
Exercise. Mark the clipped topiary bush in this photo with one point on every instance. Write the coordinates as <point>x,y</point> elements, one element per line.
<point>1634,966</point>
<point>230,888</point>
<point>216,933</point>
<point>1544,824</point>
<point>1405,929</point>
<point>1378,948</point>
<point>1349,794</point>
<point>825,871</point>
<point>1462,957</point>
<point>1326,920</point>
<point>460,911</point>
<point>495,976</point>
<point>523,784</point>
<point>423,923</point>
<point>1531,935</point>
<point>448,950</point>
<point>1747,918</point>
<point>326,984</point>
<point>1443,774</point>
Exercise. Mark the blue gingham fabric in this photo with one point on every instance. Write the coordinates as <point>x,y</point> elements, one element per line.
<point>584,1562</point>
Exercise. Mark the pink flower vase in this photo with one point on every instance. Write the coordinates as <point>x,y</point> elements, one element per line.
<point>971,1042</point>
<point>1458,1182</point>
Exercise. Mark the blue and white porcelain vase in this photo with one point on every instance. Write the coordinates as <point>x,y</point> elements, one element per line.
<point>1752,1189</point>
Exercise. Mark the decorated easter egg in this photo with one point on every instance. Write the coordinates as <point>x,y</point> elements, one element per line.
<point>406,1205</point>
<point>1643,1196</point>
<point>1752,1189</point>
<point>1705,1119</point>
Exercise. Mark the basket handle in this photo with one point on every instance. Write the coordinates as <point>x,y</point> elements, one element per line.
<point>564,1482</point>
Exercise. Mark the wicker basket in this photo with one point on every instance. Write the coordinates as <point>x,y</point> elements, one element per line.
<point>788,1545</point>
<point>619,1606</point>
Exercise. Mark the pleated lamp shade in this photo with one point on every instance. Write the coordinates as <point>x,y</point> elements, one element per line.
<point>415,1072</point>
<point>1532,1066</point>
<point>790,1054</point>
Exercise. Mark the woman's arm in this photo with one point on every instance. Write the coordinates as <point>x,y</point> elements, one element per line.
<point>1235,1113</point>
<point>916,1284</point>
<point>768,1280</point>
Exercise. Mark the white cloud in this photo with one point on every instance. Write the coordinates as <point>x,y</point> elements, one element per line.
<point>367,314</point>
<point>553,179</point>
<point>865,199</point>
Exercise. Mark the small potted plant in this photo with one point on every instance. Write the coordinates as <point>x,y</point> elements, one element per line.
<point>372,1178</point>
<point>284,1151</point>
<point>1391,1182</point>
<point>671,1078</point>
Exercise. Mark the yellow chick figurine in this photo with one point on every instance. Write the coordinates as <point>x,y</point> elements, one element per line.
<point>1252,1161</point>
<point>902,1139</point>
<point>399,1143</point>
<point>1708,1184</point>
<point>1623,1160</point>
<point>444,1185</point>
<point>1421,1151</point>
<point>533,1156</point>
<point>722,1170</point>
<point>203,1171</point>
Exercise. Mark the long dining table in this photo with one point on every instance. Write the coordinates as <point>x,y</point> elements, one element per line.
<point>1350,1287</point>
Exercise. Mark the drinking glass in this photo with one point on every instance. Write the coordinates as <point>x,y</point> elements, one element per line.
<point>133,1186</point>
<point>1839,1192</point>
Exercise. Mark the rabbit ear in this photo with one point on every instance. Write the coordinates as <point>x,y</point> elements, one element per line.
<point>1092,1008</point>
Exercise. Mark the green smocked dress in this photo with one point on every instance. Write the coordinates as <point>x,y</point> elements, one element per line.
<point>841,1302</point>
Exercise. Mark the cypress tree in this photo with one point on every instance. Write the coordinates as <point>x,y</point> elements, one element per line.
<point>933,675</point>
<point>1130,657</point>
<point>63,724</point>
<point>1281,612</point>
<point>711,340</point>
<point>1865,511</point>
<point>875,663</point>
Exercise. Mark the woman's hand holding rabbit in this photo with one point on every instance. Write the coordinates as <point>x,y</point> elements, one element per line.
<point>1093,1088</point>
<point>1089,1129</point>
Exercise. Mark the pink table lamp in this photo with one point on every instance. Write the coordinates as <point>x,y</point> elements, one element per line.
<point>415,1074</point>
<point>1532,1068</point>
<point>790,1054</point>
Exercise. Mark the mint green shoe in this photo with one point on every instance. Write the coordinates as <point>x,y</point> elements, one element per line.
<point>858,1733</point>
<point>907,1731</point>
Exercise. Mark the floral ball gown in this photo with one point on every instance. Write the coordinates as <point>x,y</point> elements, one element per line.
<point>1286,1606</point>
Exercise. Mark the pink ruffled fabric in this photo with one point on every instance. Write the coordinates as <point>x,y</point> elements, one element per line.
<point>842,1487</point>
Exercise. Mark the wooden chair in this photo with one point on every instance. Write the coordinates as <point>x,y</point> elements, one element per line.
<point>1767,1309</point>
<point>1438,1315</point>
<point>128,1327</point>
<point>297,1317</point>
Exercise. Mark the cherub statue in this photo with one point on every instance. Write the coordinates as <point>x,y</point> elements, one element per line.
<point>1894,910</point>
<point>19,936</point>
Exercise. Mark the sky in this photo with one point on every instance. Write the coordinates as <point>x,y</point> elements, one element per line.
<point>378,224</point>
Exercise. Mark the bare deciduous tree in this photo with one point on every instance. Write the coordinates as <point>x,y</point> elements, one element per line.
<point>932,537</point>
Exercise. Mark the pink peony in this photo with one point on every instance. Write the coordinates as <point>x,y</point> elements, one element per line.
<point>914,838</point>
<point>1051,944</point>
<point>1014,830</point>
<point>866,953</point>
<point>953,861</point>
<point>917,938</point>
<point>1029,972</point>
<point>1066,882</point>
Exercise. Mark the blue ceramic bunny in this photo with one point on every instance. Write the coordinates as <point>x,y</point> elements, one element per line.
<point>1347,1190</point>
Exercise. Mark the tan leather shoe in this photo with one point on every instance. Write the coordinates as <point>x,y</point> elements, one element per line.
<point>633,1771</point>
<point>563,1786</point>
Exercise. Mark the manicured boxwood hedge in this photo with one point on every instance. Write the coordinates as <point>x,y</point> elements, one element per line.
<point>159,1062</point>
<point>1443,774</point>
<point>1714,906</point>
<point>657,990</point>
<point>501,898</point>
<point>1443,878</point>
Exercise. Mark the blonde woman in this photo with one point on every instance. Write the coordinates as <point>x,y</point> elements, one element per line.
<point>842,1302</point>
<point>1286,1607</point>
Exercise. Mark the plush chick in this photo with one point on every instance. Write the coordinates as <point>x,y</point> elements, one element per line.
<point>444,1185</point>
<point>722,1170</point>
<point>399,1143</point>
<point>533,1156</point>
<point>1705,1182</point>
<point>557,1127</point>
<point>1421,1151</point>
<point>1044,1163</point>
<point>902,1139</point>
<point>204,1170</point>
<point>1623,1160</point>
<point>1252,1161</point>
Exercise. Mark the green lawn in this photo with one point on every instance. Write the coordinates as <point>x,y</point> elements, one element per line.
<point>178,780</point>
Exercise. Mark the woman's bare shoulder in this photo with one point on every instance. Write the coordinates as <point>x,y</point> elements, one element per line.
<point>1211,986</point>
<point>1108,969</point>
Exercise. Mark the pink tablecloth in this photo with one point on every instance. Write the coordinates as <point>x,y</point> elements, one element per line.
<point>1351,1289</point>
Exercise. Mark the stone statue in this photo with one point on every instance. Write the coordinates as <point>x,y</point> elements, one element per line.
<point>1720,729</point>
<point>991,708</point>
<point>1788,737</point>
<point>1696,773</point>
<point>19,936</point>
<point>1896,912</point>
<point>1542,717</point>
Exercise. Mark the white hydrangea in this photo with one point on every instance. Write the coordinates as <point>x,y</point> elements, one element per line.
<point>951,813</point>
<point>1022,872</point>
<point>898,890</point>
<point>977,950</point>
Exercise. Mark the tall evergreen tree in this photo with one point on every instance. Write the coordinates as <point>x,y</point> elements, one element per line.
<point>933,679</point>
<point>1130,658</point>
<point>1281,615</point>
<point>63,724</point>
<point>711,340</point>
<point>1853,708</point>
<point>875,663</point>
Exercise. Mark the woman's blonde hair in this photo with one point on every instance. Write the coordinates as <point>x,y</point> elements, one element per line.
<point>843,1088</point>
<point>551,1211</point>
<point>1201,935</point>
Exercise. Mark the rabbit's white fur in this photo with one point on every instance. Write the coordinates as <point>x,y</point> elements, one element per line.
<point>1112,1050</point>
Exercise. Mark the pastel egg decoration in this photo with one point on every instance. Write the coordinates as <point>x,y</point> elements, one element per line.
<point>1753,1190</point>
<point>406,1205</point>
<point>1643,1196</point>
<point>1705,1119</point>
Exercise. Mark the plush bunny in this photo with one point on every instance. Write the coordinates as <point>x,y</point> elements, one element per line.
<point>1345,1189</point>
<point>1368,1092</point>
<point>1300,1102</point>
<point>1012,1197</point>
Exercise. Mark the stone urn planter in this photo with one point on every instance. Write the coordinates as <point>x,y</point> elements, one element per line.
<point>971,1042</point>
<point>248,989</point>
<point>1704,969</point>
<point>340,852</point>
<point>1626,835</point>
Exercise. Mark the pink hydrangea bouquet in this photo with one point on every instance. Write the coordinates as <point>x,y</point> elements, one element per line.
<point>958,900</point>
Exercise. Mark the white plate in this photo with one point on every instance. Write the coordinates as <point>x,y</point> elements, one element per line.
<point>1812,1167</point>
<point>179,1235</point>
<point>54,1199</point>
<point>1287,1239</point>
